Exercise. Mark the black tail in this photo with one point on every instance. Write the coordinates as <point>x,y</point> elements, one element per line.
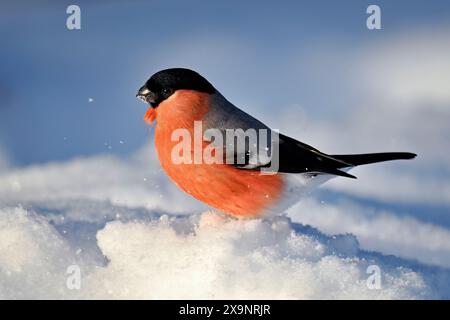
<point>358,159</point>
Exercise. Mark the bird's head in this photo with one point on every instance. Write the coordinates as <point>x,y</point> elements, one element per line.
<point>166,82</point>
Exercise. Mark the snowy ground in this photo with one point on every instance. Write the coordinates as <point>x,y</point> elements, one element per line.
<point>134,235</point>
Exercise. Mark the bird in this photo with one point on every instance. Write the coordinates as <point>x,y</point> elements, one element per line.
<point>240,186</point>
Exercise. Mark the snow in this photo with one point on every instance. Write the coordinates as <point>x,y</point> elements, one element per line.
<point>378,229</point>
<point>132,234</point>
<point>200,256</point>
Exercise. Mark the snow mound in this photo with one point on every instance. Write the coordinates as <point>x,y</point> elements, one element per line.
<point>206,256</point>
<point>125,231</point>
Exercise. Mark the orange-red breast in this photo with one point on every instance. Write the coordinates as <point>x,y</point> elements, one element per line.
<point>181,98</point>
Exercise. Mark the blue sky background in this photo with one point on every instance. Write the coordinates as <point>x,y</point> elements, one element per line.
<point>309,68</point>
<point>48,73</point>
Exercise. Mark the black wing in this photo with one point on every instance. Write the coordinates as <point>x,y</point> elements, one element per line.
<point>298,157</point>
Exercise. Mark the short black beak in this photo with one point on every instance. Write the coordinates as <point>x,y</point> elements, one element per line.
<point>146,95</point>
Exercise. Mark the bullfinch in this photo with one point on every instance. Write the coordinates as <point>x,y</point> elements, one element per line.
<point>241,185</point>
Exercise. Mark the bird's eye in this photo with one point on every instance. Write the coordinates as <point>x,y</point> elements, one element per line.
<point>166,92</point>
